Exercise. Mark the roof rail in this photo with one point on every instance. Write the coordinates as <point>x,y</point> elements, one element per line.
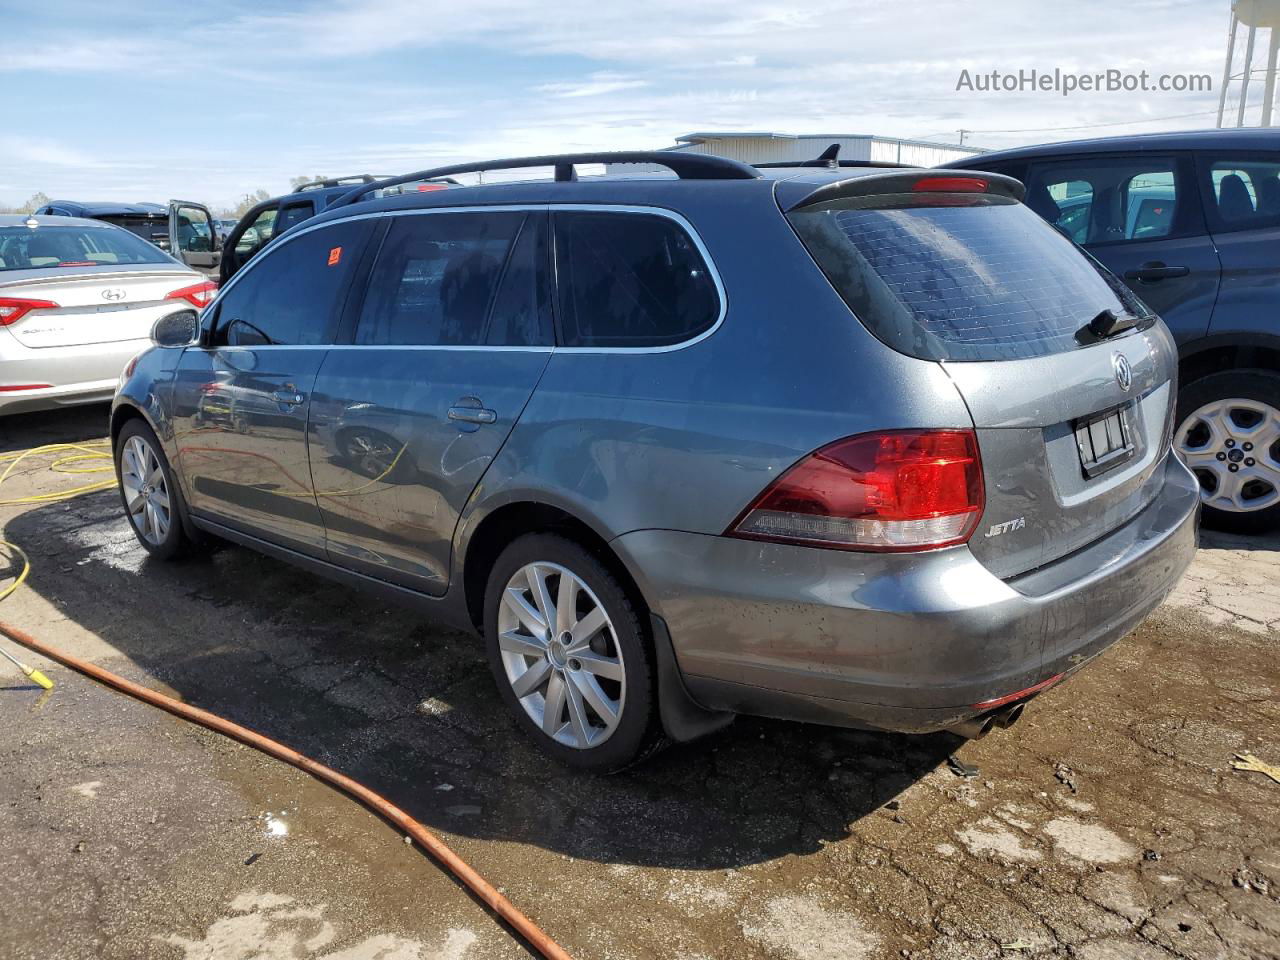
<point>337,182</point>
<point>686,166</point>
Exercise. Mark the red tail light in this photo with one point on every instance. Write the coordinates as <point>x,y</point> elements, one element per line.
<point>198,294</point>
<point>950,185</point>
<point>14,387</point>
<point>13,309</point>
<point>893,491</point>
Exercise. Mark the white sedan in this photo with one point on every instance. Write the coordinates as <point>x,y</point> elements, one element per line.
<point>77,301</point>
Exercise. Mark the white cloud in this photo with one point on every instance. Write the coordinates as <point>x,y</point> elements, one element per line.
<point>392,85</point>
<point>597,84</point>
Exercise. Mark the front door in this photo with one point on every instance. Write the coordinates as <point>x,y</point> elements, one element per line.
<point>193,236</point>
<point>1141,216</point>
<point>241,400</point>
<point>452,337</point>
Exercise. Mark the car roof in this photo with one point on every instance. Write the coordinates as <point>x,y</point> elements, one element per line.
<point>656,190</point>
<point>51,220</point>
<point>109,208</point>
<point>1254,138</point>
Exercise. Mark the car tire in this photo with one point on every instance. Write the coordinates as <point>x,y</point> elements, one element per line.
<point>151,498</point>
<point>1228,433</point>
<point>600,660</point>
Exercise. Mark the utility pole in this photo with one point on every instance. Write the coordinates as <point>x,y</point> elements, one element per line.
<point>963,131</point>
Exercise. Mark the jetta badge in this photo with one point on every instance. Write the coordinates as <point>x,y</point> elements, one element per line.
<point>113,293</point>
<point>1124,372</point>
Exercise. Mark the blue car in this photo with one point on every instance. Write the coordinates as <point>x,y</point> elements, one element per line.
<point>1191,221</point>
<point>854,445</point>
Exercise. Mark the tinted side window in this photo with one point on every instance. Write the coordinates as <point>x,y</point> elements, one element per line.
<point>630,280</point>
<point>1108,199</point>
<point>294,214</point>
<point>294,293</point>
<point>1246,193</point>
<point>521,315</point>
<point>435,278</point>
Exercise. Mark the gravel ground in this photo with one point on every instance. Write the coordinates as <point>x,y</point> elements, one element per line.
<point>1108,824</point>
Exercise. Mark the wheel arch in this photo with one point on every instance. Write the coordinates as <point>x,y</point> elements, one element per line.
<point>682,717</point>
<point>1215,354</point>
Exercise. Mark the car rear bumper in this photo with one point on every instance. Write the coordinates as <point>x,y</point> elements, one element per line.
<point>74,375</point>
<point>910,642</point>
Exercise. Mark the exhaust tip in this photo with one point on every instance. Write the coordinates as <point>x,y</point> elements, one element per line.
<point>1006,718</point>
<point>973,729</point>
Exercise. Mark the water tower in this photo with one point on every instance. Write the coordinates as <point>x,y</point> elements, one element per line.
<point>1254,14</point>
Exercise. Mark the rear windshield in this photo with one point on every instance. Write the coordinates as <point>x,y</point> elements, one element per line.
<point>28,248</point>
<point>950,278</point>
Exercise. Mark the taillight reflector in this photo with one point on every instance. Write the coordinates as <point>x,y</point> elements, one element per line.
<point>13,309</point>
<point>198,294</point>
<point>1020,694</point>
<point>893,491</point>
<point>950,185</point>
<point>13,387</point>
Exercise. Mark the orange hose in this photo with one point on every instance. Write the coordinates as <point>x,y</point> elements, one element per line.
<point>438,849</point>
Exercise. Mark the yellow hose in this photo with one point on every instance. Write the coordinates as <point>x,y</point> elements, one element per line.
<point>94,452</point>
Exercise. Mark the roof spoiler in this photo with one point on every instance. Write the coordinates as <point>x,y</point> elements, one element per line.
<point>686,166</point>
<point>796,195</point>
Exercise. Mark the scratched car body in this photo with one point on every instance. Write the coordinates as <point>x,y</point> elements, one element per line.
<point>857,446</point>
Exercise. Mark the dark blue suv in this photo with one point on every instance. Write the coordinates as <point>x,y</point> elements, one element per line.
<point>1191,221</point>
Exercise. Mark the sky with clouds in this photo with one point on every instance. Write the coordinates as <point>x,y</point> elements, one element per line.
<point>150,100</point>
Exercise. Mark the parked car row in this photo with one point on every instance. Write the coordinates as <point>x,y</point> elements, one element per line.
<point>848,444</point>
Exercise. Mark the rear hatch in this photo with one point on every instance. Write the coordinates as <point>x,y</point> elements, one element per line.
<point>1072,422</point>
<point>95,305</point>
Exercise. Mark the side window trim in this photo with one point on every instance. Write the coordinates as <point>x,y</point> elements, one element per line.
<point>548,208</point>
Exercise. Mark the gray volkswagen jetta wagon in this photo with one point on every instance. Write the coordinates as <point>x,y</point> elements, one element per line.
<point>855,446</point>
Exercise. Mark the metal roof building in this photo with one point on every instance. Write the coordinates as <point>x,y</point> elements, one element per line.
<point>768,147</point>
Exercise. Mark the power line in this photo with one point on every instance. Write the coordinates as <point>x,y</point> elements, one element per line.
<point>1084,126</point>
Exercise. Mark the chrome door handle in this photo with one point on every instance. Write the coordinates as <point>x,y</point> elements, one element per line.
<point>473,414</point>
<point>288,398</point>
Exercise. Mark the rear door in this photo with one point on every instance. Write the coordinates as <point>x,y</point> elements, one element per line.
<point>1242,197</point>
<point>193,236</point>
<point>241,401</point>
<point>1071,429</point>
<point>1141,216</point>
<point>452,336</point>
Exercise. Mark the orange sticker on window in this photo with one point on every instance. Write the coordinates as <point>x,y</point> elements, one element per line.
<point>334,256</point>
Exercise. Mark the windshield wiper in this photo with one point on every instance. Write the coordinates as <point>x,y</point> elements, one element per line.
<point>1106,325</point>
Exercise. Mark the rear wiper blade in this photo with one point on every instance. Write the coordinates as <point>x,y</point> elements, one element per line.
<point>1106,325</point>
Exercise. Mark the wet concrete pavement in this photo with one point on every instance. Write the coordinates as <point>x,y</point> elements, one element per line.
<point>1107,824</point>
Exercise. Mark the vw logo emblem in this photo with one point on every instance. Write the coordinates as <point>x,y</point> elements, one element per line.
<point>1124,372</point>
<point>113,294</point>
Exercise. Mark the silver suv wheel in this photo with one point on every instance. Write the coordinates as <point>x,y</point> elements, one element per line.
<point>1233,447</point>
<point>560,655</point>
<point>146,495</point>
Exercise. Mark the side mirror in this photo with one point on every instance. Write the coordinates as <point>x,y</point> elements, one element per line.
<point>178,329</point>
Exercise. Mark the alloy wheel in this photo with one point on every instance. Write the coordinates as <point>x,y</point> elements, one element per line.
<point>1233,448</point>
<point>561,655</point>
<point>146,494</point>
